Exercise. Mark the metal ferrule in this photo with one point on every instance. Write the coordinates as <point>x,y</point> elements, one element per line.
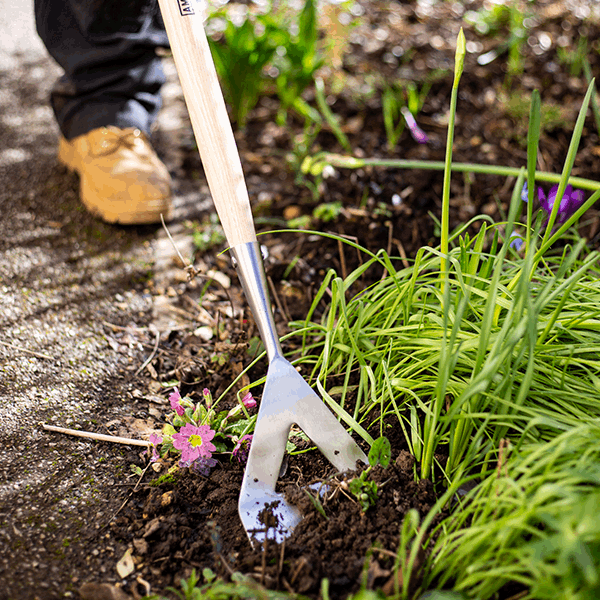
<point>248,262</point>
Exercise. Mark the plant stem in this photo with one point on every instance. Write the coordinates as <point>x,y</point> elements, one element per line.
<point>349,162</point>
<point>458,69</point>
<point>330,118</point>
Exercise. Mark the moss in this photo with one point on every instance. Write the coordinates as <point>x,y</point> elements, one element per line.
<point>164,479</point>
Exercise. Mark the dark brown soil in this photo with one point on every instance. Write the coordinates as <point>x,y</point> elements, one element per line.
<point>194,523</point>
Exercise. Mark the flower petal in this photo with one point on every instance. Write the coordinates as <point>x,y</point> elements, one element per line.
<point>418,134</point>
<point>248,401</point>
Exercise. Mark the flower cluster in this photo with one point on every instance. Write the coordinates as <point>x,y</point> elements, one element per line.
<point>572,199</point>
<point>197,430</point>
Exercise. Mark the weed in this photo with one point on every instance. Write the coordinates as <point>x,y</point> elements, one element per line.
<point>365,490</point>
<point>168,478</point>
<point>401,102</point>
<point>328,211</point>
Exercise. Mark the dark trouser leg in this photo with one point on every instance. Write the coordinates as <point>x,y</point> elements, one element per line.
<point>107,49</point>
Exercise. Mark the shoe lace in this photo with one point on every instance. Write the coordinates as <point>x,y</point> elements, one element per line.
<point>122,138</point>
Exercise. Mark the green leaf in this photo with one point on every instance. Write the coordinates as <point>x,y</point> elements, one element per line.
<point>442,595</point>
<point>355,486</point>
<point>169,429</point>
<point>208,575</point>
<point>380,453</point>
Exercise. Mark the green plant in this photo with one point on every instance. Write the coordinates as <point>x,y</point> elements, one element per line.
<point>328,211</point>
<point>297,60</point>
<point>330,118</point>
<point>462,346</point>
<point>396,100</point>
<point>241,587</point>
<point>490,21</point>
<point>532,520</point>
<point>208,234</point>
<point>365,490</point>
<point>284,40</point>
<point>552,115</point>
<point>574,58</point>
<point>240,58</point>
<point>197,430</point>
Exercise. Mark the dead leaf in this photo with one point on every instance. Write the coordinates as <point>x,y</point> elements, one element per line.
<point>126,566</point>
<point>140,545</point>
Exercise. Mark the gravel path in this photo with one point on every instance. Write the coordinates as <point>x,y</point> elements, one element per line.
<point>76,312</point>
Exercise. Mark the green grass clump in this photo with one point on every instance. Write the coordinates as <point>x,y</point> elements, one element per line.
<point>506,350</point>
<point>534,521</point>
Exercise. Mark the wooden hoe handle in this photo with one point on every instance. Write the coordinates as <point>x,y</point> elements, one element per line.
<point>212,129</point>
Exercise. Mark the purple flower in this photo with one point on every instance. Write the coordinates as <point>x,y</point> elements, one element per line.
<point>525,193</point>
<point>175,400</point>
<point>418,134</point>
<point>194,442</point>
<point>516,241</point>
<point>572,199</point>
<point>570,202</point>
<point>203,465</point>
<point>242,448</point>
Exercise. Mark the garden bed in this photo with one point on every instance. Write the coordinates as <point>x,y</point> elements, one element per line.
<point>190,521</point>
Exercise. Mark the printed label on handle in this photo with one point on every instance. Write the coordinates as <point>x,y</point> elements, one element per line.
<point>186,7</point>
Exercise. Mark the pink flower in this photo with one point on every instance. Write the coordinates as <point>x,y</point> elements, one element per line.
<point>194,442</point>
<point>242,448</point>
<point>207,397</point>
<point>175,400</point>
<point>155,440</point>
<point>248,401</point>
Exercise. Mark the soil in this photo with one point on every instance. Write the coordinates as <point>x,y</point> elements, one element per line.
<point>99,322</point>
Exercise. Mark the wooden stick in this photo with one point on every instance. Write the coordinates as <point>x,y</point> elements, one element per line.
<point>97,436</point>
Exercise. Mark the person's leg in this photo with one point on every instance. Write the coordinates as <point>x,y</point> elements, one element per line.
<point>107,100</point>
<point>107,49</point>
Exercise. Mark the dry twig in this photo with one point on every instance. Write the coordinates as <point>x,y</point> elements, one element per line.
<point>21,349</point>
<point>97,436</point>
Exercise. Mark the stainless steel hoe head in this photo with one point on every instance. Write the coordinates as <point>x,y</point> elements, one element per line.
<point>287,399</point>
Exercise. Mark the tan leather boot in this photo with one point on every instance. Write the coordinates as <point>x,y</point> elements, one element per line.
<point>122,179</point>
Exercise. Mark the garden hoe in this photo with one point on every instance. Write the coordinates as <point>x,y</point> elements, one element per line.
<point>287,398</point>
